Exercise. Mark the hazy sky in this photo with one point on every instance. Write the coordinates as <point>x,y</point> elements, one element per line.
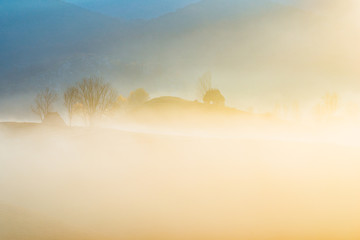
<point>140,9</point>
<point>133,9</point>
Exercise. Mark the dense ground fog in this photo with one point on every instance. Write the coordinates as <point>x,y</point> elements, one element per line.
<point>109,184</point>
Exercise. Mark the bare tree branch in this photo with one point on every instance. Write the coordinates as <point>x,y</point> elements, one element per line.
<point>70,100</point>
<point>44,102</point>
<point>96,97</point>
<point>204,85</point>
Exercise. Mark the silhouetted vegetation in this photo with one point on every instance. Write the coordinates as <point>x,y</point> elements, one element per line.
<point>44,102</point>
<point>70,100</point>
<point>214,96</point>
<point>138,97</point>
<point>204,85</point>
<point>95,97</point>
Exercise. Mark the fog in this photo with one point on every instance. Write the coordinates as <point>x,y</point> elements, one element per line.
<point>102,183</point>
<point>270,149</point>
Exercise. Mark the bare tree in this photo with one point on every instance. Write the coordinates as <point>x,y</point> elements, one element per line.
<point>70,100</point>
<point>43,102</point>
<point>96,97</point>
<point>204,85</point>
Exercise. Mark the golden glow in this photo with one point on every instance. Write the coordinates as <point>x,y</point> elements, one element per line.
<point>280,160</point>
<point>150,182</point>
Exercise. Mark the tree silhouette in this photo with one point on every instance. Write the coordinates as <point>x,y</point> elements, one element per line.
<point>43,102</point>
<point>70,99</point>
<point>138,97</point>
<point>214,96</point>
<point>95,97</point>
<point>204,85</point>
<point>120,102</point>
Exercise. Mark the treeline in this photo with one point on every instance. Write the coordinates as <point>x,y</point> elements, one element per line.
<point>92,98</point>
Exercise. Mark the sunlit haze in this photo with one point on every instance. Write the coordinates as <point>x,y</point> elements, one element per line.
<point>179,120</point>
